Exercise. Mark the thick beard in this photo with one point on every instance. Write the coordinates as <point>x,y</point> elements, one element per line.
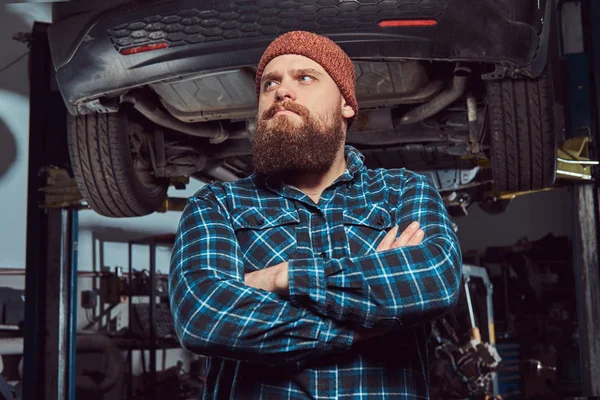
<point>286,147</point>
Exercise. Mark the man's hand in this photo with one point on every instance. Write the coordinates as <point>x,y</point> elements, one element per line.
<point>272,279</point>
<point>411,236</point>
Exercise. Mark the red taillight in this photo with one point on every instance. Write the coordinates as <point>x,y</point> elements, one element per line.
<point>146,47</point>
<point>407,22</point>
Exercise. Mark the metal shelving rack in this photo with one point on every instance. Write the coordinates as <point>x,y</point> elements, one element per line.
<point>153,243</point>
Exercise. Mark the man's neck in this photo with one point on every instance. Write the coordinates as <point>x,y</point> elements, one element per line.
<point>313,184</point>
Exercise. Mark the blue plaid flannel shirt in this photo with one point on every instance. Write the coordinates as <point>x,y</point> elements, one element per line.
<point>262,346</point>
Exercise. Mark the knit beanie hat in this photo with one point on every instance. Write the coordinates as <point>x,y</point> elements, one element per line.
<point>324,52</point>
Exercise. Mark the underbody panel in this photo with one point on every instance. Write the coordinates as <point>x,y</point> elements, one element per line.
<point>192,37</point>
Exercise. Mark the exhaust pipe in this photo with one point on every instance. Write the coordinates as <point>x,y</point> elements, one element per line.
<point>210,130</point>
<point>441,101</point>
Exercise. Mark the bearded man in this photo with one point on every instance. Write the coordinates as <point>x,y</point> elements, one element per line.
<point>294,281</point>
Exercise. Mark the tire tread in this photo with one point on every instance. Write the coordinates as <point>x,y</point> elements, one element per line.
<point>523,140</point>
<point>103,169</point>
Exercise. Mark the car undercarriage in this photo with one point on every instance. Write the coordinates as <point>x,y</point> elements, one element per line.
<point>179,96</point>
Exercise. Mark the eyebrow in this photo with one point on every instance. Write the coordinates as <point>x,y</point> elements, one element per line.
<point>302,71</point>
<point>307,71</point>
<point>270,76</point>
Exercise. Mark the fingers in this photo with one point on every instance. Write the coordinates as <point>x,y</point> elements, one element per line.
<point>416,239</point>
<point>388,240</point>
<point>411,236</point>
<point>407,235</point>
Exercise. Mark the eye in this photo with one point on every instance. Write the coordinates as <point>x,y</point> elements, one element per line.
<point>306,78</point>
<point>269,84</point>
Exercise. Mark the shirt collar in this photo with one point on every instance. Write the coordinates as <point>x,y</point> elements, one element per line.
<point>354,163</point>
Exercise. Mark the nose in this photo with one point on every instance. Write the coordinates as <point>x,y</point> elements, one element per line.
<point>284,92</point>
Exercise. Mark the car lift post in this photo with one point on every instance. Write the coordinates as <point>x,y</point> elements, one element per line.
<point>580,50</point>
<point>51,274</point>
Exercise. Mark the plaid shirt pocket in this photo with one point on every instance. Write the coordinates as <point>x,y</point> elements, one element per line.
<point>365,228</point>
<point>267,236</point>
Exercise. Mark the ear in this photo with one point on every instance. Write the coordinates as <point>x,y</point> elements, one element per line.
<point>347,111</point>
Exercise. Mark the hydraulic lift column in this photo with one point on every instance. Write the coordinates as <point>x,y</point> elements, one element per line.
<point>580,45</point>
<point>50,281</point>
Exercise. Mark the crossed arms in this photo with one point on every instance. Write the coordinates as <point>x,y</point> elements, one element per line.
<point>312,306</point>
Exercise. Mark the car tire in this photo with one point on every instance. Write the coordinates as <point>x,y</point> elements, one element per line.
<point>102,162</point>
<point>522,134</point>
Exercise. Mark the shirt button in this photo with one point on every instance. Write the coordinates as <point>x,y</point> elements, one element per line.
<point>380,221</point>
<point>323,255</point>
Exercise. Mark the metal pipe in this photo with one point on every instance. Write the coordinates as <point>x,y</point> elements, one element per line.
<point>580,162</point>
<point>80,274</point>
<point>152,380</point>
<point>473,126</point>
<point>73,297</point>
<point>130,318</point>
<point>210,130</point>
<point>401,135</point>
<point>441,101</point>
<point>574,174</point>
<point>470,305</point>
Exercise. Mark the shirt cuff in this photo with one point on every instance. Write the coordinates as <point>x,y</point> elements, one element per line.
<point>332,338</point>
<point>307,286</point>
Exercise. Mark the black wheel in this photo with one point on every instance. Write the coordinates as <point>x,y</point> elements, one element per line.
<point>102,162</point>
<point>522,135</point>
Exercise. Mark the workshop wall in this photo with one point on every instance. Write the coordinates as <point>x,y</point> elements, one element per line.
<point>14,131</point>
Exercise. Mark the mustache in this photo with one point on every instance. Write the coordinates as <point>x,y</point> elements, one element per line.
<point>287,105</point>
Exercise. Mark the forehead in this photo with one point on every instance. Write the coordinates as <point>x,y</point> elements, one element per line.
<point>288,62</point>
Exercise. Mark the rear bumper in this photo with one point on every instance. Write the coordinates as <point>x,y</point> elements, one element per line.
<point>204,37</point>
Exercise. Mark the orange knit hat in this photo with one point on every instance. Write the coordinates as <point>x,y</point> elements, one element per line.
<point>324,52</point>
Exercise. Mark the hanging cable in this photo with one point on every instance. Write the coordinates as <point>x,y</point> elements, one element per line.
<point>10,64</point>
